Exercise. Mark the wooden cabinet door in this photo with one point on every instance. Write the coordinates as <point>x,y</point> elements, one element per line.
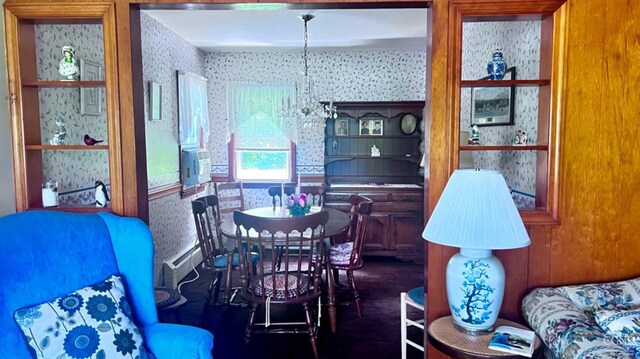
<point>377,237</point>
<point>406,232</point>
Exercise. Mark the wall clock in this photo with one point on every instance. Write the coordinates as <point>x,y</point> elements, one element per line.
<point>408,124</point>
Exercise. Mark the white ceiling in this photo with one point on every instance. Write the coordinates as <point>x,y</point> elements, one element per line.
<point>281,30</point>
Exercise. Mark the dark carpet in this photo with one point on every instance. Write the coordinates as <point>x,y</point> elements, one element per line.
<point>375,335</point>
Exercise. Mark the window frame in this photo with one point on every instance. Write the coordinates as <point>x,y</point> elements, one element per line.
<point>232,165</point>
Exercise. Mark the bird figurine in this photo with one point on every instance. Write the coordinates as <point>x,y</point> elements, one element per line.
<point>101,194</point>
<point>88,140</point>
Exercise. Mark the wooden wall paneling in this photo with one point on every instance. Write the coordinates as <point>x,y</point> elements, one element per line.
<point>581,160</point>
<point>113,114</point>
<point>544,110</point>
<point>628,199</point>
<point>30,112</point>
<point>134,165</point>
<point>15,108</point>
<point>609,141</point>
<point>438,171</point>
<point>539,253</point>
<point>516,264</point>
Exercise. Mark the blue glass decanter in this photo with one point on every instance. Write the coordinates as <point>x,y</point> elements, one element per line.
<point>497,67</point>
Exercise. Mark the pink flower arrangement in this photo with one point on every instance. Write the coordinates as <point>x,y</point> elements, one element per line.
<point>298,205</point>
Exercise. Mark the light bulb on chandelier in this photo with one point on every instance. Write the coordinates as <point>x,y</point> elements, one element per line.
<point>306,108</point>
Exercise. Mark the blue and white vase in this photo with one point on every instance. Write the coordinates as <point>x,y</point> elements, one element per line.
<point>497,67</point>
<point>475,289</point>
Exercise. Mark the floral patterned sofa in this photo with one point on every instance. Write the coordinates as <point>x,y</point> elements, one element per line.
<point>566,318</point>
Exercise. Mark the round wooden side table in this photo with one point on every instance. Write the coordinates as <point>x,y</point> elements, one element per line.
<point>445,337</point>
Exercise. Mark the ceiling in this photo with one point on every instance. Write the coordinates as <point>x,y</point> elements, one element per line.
<point>281,30</point>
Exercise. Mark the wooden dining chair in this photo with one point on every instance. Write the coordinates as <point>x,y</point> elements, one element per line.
<point>314,193</point>
<point>276,194</point>
<point>298,280</point>
<point>347,256</point>
<point>231,198</point>
<point>216,258</point>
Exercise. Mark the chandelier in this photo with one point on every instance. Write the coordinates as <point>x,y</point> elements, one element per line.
<point>306,108</point>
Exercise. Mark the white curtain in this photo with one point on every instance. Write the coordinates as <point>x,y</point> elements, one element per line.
<point>193,109</point>
<point>246,99</point>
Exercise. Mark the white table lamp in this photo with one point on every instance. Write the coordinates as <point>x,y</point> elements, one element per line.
<point>477,214</point>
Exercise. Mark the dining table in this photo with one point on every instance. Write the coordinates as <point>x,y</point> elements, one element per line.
<point>337,224</point>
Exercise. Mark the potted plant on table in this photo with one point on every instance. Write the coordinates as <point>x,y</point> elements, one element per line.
<point>298,205</point>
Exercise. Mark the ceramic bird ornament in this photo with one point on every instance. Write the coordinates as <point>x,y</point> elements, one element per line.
<point>88,140</point>
<point>101,194</point>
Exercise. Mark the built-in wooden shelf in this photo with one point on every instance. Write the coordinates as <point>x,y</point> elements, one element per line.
<point>66,147</point>
<point>408,137</point>
<point>330,158</point>
<point>501,83</point>
<point>91,208</point>
<point>64,83</point>
<point>505,148</point>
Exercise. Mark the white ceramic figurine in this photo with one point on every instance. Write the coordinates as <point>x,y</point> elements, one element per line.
<point>68,65</point>
<point>101,194</point>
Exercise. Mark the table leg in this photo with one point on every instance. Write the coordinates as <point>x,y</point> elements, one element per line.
<point>332,299</point>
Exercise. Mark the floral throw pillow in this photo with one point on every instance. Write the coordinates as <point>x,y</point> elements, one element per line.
<point>623,326</point>
<point>93,322</point>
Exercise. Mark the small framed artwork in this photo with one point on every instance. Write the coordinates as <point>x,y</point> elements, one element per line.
<point>341,127</point>
<point>408,124</point>
<point>90,97</point>
<point>368,127</point>
<point>155,101</point>
<point>493,106</point>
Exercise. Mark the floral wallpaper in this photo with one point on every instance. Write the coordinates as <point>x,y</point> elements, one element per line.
<point>76,171</point>
<point>520,44</point>
<point>164,53</point>
<point>341,76</point>
<point>170,218</point>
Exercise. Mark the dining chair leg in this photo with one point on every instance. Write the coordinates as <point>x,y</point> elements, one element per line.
<point>249,329</point>
<point>312,329</point>
<point>216,292</point>
<point>212,284</point>
<point>354,290</point>
<point>336,277</point>
<point>227,287</point>
<point>331,299</point>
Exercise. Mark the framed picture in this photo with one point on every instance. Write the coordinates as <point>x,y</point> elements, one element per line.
<point>368,127</point>
<point>341,127</point>
<point>408,124</point>
<point>493,106</point>
<point>155,101</point>
<point>90,97</point>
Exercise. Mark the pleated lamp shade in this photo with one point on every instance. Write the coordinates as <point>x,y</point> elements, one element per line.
<point>476,211</point>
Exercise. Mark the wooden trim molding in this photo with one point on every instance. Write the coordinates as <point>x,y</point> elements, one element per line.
<point>193,190</point>
<point>552,62</point>
<point>164,191</point>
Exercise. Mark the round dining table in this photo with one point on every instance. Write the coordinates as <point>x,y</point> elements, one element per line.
<point>337,224</point>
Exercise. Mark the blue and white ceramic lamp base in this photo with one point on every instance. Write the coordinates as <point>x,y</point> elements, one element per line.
<point>475,288</point>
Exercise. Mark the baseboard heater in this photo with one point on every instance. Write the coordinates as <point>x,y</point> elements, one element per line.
<point>176,269</point>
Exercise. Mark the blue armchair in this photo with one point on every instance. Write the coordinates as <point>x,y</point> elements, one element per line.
<point>44,255</point>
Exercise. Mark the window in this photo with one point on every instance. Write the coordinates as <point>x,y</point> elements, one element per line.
<point>262,151</point>
<point>263,148</point>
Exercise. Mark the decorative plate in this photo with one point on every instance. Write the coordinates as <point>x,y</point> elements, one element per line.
<point>408,124</point>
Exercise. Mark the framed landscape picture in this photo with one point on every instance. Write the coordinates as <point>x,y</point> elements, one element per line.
<point>493,106</point>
